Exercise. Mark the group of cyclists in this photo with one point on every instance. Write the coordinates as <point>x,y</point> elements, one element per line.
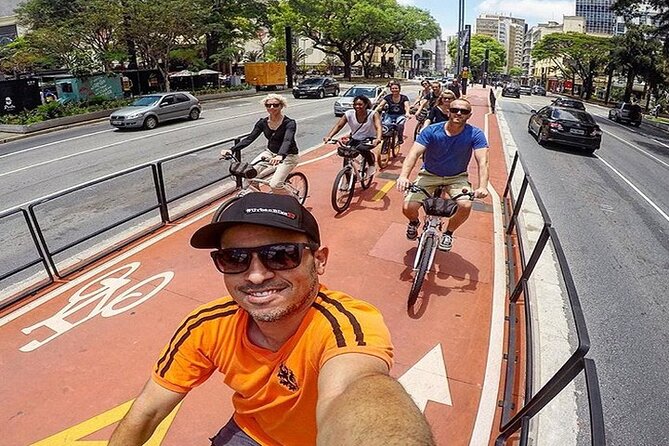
<point>444,141</point>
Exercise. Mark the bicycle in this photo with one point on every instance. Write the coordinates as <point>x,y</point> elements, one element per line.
<point>247,179</point>
<point>354,169</point>
<point>420,120</point>
<point>435,208</point>
<point>389,146</point>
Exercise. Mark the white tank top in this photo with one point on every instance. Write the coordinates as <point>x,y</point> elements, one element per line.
<point>366,130</point>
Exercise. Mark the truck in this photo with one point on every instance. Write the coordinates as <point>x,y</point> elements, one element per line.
<point>265,75</point>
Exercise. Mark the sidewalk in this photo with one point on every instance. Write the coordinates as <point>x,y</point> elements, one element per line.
<point>72,373</point>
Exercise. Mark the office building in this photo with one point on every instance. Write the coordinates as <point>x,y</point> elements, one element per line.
<point>599,19</point>
<point>509,31</point>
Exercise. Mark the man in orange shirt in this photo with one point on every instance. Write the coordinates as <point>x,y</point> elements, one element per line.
<point>307,364</point>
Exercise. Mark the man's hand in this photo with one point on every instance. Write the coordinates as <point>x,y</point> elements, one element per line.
<point>481,192</point>
<point>376,142</point>
<point>226,153</point>
<point>403,184</point>
<point>275,160</point>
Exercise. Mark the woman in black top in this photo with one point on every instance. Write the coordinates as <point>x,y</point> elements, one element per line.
<point>439,112</point>
<point>280,131</point>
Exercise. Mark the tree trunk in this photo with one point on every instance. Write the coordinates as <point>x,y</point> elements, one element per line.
<point>609,81</point>
<point>629,85</point>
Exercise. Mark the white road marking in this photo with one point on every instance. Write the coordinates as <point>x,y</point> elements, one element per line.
<point>650,155</point>
<point>488,403</point>
<point>426,380</point>
<point>635,189</point>
<point>29,149</point>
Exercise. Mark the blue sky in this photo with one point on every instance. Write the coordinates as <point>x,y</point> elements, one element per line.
<point>445,12</point>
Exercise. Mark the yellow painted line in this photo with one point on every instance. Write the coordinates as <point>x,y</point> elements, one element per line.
<point>72,436</point>
<point>384,190</point>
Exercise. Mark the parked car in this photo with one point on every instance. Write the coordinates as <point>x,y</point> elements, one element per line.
<point>539,90</point>
<point>570,103</point>
<point>526,90</point>
<point>568,126</point>
<point>150,110</point>
<point>316,86</point>
<point>626,112</point>
<point>373,92</point>
<point>512,90</point>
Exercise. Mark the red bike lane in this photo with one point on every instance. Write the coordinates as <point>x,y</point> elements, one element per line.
<point>74,357</point>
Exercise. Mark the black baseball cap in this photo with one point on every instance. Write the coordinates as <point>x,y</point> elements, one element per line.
<point>258,208</point>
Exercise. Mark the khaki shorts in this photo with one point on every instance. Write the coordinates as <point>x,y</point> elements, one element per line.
<point>282,170</point>
<point>429,181</point>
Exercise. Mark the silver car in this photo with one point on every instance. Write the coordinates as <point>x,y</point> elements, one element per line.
<point>151,110</point>
<point>345,102</point>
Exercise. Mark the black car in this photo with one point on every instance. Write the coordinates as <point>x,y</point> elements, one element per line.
<point>570,103</point>
<point>511,90</point>
<point>316,87</point>
<point>566,126</point>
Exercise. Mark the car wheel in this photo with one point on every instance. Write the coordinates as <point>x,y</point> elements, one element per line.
<point>150,123</point>
<point>529,128</point>
<point>591,150</point>
<point>617,118</point>
<point>194,114</point>
<point>637,124</point>
<point>296,96</point>
<point>540,136</point>
<point>321,94</point>
<point>336,92</point>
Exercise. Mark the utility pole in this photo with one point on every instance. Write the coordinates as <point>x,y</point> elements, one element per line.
<point>461,21</point>
<point>465,59</point>
<point>486,58</point>
<point>289,56</point>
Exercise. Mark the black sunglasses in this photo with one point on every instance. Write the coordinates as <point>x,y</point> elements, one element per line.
<point>456,110</point>
<point>277,257</point>
<point>272,105</point>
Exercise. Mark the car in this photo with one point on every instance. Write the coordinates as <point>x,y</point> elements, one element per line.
<point>564,125</point>
<point>539,90</point>
<point>512,90</point>
<point>626,112</point>
<point>570,103</point>
<point>526,90</point>
<point>317,87</point>
<point>150,110</point>
<point>373,92</point>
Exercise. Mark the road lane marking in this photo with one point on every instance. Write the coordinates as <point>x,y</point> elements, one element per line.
<point>384,190</point>
<point>427,380</point>
<point>29,149</point>
<point>640,149</point>
<point>636,189</point>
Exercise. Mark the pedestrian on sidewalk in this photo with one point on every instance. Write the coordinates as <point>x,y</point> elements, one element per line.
<point>446,150</point>
<point>493,99</point>
<point>308,365</point>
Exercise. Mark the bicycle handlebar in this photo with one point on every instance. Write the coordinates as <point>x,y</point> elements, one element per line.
<point>416,188</point>
<point>230,157</point>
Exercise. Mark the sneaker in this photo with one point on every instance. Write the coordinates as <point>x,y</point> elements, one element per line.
<point>412,230</point>
<point>446,242</point>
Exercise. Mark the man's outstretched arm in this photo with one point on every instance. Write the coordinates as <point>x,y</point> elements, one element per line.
<point>148,410</point>
<point>359,403</point>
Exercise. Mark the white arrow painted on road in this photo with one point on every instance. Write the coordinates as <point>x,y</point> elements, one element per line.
<point>427,381</point>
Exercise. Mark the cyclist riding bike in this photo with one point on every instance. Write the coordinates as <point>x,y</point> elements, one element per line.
<point>365,125</point>
<point>439,113</point>
<point>280,131</point>
<point>447,149</point>
<point>397,111</point>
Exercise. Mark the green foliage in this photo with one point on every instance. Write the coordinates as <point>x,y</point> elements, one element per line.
<point>515,71</point>
<point>53,110</point>
<point>496,53</point>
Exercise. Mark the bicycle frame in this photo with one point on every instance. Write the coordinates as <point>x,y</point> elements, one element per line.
<point>432,228</point>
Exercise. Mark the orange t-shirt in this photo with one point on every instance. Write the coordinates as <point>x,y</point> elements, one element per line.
<point>275,392</point>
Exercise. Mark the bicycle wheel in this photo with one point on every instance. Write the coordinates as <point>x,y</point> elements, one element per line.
<point>394,145</point>
<point>384,155</point>
<point>365,180</point>
<point>342,190</point>
<point>298,186</point>
<point>423,263</point>
<point>419,125</point>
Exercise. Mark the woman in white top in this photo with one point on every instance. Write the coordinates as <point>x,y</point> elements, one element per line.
<point>365,125</point>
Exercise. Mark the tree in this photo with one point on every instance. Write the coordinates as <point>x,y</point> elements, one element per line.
<point>515,71</point>
<point>630,9</point>
<point>477,46</point>
<point>575,54</point>
<point>20,57</point>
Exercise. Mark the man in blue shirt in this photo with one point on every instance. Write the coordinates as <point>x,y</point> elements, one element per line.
<point>446,149</point>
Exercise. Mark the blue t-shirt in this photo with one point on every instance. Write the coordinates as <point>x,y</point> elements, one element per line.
<point>445,155</point>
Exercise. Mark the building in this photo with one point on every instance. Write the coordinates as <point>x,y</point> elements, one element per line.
<point>9,29</point>
<point>509,31</point>
<point>540,71</point>
<point>599,19</point>
<point>645,14</point>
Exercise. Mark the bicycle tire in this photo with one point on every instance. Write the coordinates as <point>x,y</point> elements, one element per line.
<point>299,184</point>
<point>384,153</point>
<point>365,181</point>
<point>419,125</point>
<point>395,145</point>
<point>421,272</point>
<point>342,190</point>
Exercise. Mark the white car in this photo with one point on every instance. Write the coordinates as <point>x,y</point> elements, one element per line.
<point>345,102</point>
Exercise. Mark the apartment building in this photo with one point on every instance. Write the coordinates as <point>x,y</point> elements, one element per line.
<point>599,19</point>
<point>509,31</point>
<point>9,30</point>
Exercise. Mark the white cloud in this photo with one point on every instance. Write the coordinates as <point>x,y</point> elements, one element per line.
<point>533,11</point>
<point>407,2</point>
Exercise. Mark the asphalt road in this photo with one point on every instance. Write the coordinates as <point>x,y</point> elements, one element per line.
<point>611,213</point>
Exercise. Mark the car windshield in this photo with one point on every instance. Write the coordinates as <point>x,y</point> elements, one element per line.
<point>573,115</point>
<point>145,101</point>
<point>312,81</point>
<point>358,91</point>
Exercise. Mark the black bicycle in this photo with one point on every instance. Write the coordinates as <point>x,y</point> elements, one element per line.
<point>390,146</point>
<point>355,168</point>
<point>436,208</point>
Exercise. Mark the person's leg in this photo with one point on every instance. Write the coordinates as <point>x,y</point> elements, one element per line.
<point>455,185</point>
<point>281,172</point>
<point>414,200</point>
<point>232,435</point>
<point>400,128</point>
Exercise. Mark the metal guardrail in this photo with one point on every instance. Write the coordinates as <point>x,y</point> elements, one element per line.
<point>576,363</point>
<point>46,248</point>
